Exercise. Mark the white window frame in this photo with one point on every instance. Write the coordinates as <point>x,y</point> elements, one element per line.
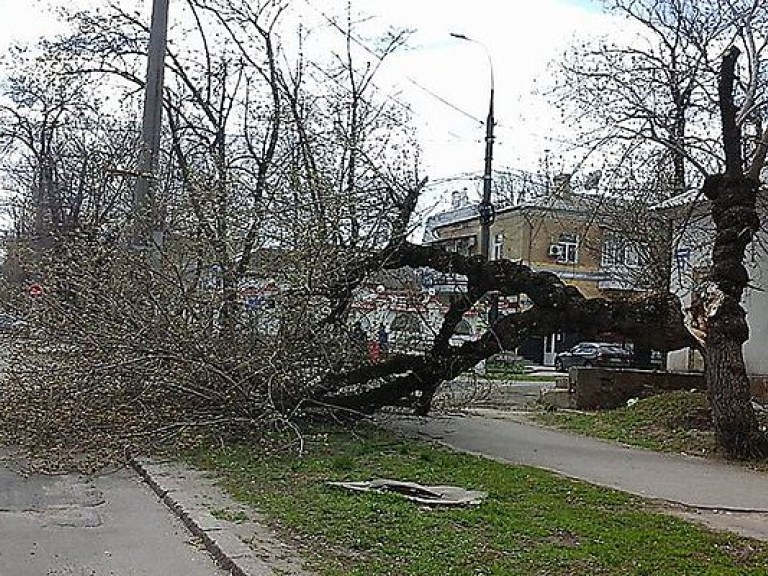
<point>618,254</point>
<point>632,257</point>
<point>569,249</point>
<point>498,246</point>
<point>608,257</point>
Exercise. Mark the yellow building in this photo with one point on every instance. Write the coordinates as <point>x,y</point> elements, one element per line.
<point>560,231</point>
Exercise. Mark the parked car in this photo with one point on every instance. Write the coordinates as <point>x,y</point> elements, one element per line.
<point>594,354</point>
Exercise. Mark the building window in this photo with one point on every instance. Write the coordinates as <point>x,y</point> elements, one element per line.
<point>498,247</point>
<point>610,253</point>
<point>568,252</point>
<point>622,253</point>
<point>632,255</point>
<point>463,246</point>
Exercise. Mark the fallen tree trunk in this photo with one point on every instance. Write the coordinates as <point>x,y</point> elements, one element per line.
<point>654,320</point>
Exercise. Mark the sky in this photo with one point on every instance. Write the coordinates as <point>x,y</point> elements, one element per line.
<point>444,81</point>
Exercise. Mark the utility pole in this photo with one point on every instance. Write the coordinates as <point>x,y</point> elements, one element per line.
<point>486,210</point>
<point>147,227</point>
<point>487,213</point>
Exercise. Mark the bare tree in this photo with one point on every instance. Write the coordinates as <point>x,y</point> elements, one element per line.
<point>61,149</point>
<point>662,97</point>
<point>287,185</point>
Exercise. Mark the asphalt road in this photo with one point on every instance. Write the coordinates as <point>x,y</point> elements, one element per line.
<point>110,525</point>
<point>725,496</point>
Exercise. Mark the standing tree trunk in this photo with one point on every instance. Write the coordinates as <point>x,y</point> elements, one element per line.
<point>736,221</point>
<point>733,211</point>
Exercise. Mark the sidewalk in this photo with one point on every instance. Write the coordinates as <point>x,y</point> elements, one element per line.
<point>234,534</point>
<point>721,495</point>
<point>536,370</point>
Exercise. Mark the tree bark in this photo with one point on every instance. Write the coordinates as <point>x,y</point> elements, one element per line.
<point>733,196</point>
<point>654,321</point>
<point>736,427</point>
<point>733,212</point>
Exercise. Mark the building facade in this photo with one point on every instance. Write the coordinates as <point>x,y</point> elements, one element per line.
<point>694,233</point>
<point>559,231</point>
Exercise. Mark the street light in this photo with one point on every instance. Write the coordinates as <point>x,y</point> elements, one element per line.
<point>486,210</point>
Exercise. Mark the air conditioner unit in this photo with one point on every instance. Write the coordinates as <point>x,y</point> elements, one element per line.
<point>555,250</point>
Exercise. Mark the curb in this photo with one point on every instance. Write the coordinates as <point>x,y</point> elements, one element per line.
<point>226,548</point>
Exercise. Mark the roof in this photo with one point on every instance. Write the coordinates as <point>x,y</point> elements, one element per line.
<point>682,199</point>
<point>446,218</point>
<point>577,203</point>
<point>572,202</point>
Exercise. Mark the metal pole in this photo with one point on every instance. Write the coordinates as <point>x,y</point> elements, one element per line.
<point>486,206</point>
<point>147,229</point>
<point>486,210</point>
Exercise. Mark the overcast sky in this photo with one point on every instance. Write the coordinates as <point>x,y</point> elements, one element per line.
<point>445,81</point>
<point>521,38</point>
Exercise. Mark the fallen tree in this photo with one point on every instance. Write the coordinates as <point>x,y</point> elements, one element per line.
<point>133,350</point>
<point>654,320</point>
<point>125,356</point>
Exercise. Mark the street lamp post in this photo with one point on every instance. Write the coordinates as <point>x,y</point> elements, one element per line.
<point>486,210</point>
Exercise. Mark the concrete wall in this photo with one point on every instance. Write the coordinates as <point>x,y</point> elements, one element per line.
<point>595,388</point>
<point>685,360</point>
<point>755,301</point>
<point>598,388</point>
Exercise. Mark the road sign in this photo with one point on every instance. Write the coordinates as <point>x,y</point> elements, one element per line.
<point>35,290</point>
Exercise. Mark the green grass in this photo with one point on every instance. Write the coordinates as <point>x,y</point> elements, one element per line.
<point>515,371</point>
<point>506,367</point>
<point>520,377</point>
<point>532,523</point>
<point>229,515</point>
<point>671,422</point>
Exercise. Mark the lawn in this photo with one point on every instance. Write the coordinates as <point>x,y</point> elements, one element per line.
<point>511,377</point>
<point>671,422</point>
<point>533,522</point>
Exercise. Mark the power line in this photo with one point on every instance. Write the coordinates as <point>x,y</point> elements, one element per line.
<point>500,126</point>
<point>432,93</point>
<point>362,45</point>
<point>444,101</point>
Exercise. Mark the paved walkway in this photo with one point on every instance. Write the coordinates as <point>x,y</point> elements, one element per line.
<point>721,495</point>
<point>71,525</point>
<point>167,520</point>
